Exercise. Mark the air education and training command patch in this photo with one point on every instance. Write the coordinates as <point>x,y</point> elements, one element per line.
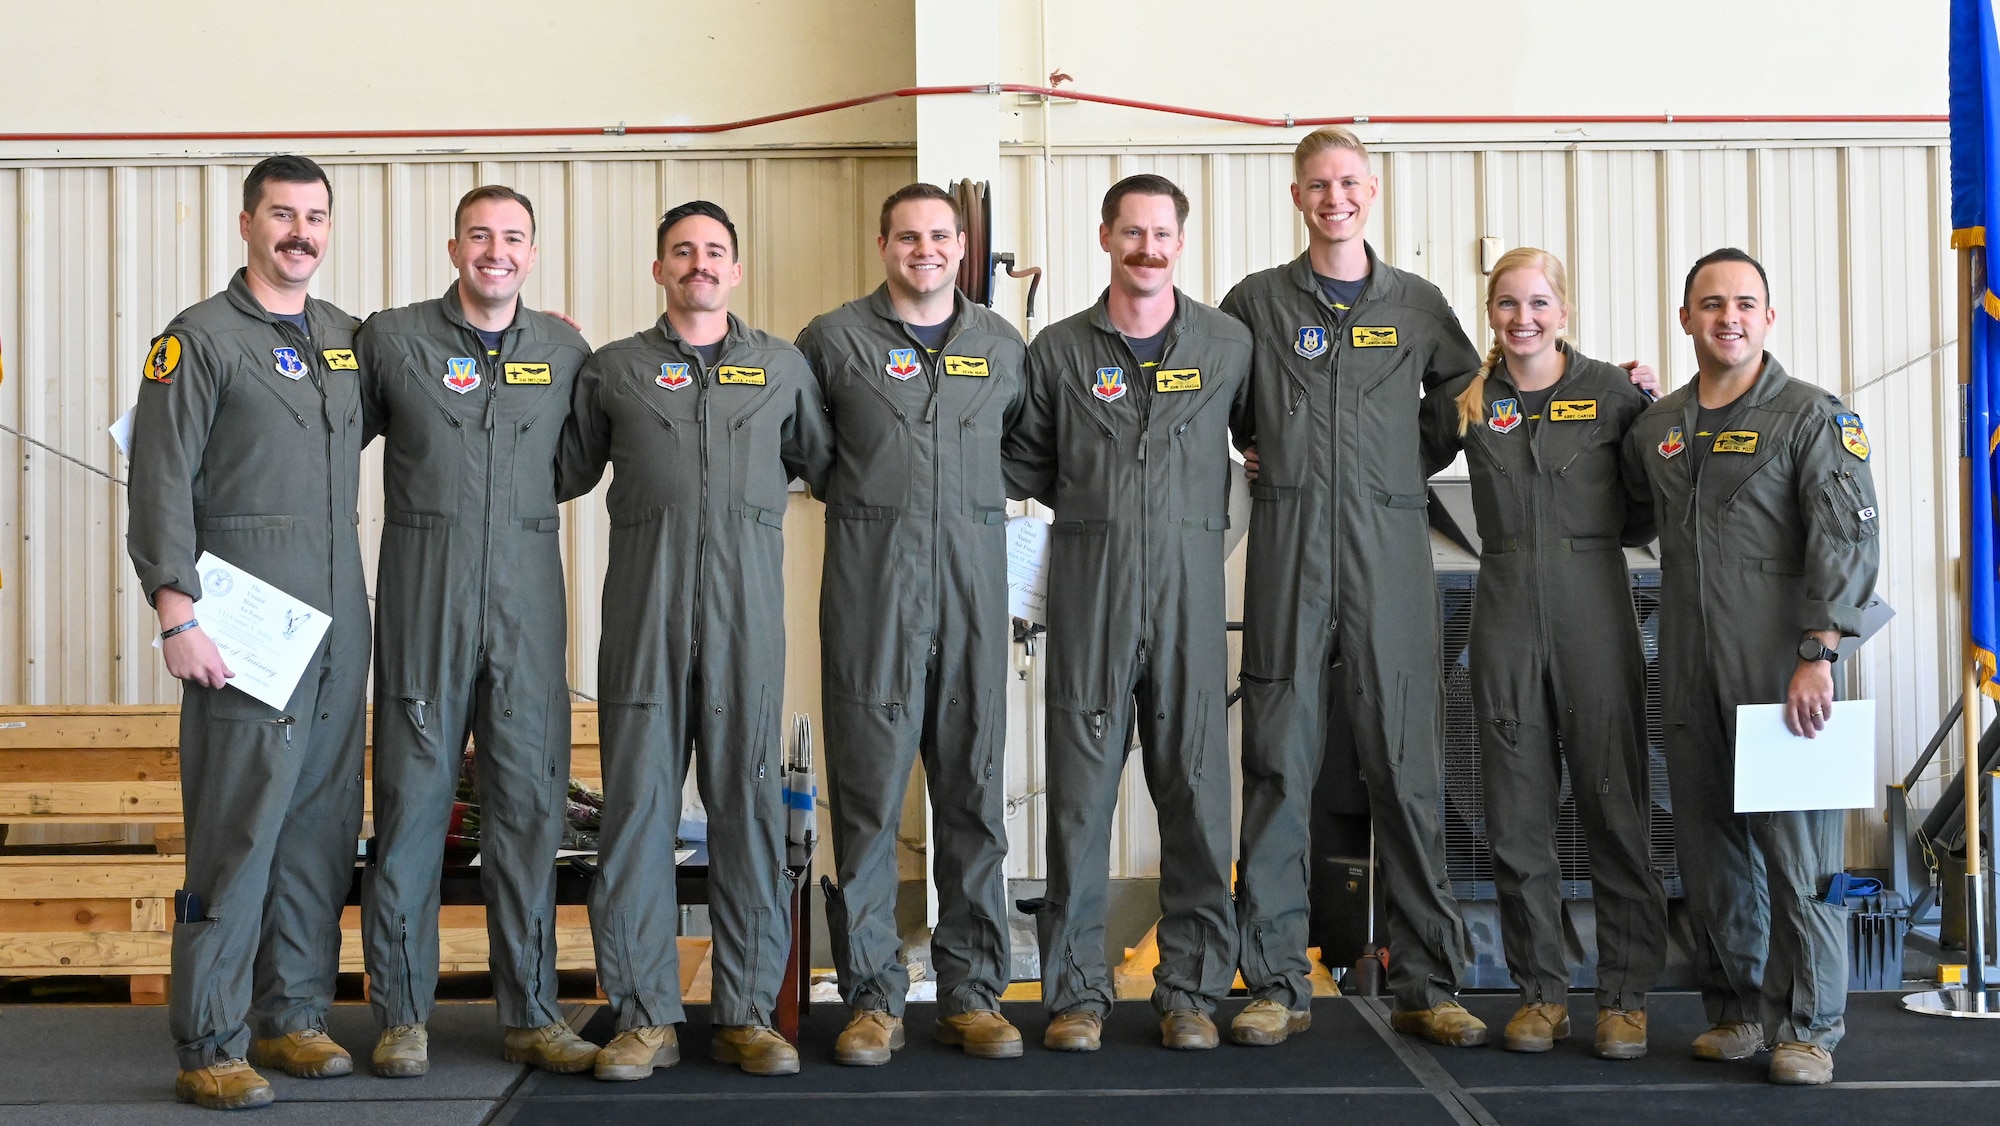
<point>1852,437</point>
<point>1506,416</point>
<point>1110,385</point>
<point>1673,443</point>
<point>163,359</point>
<point>1311,342</point>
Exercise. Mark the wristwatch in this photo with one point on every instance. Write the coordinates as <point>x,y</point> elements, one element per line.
<point>1811,650</point>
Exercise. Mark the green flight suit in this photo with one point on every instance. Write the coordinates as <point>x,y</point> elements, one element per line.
<point>1339,601</point>
<point>1557,669</point>
<point>247,443</point>
<point>474,639</point>
<point>1135,461</point>
<point>693,649</point>
<point>1776,535</point>
<point>914,636</point>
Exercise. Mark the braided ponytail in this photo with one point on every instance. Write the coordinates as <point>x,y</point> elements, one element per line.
<point>1472,401</point>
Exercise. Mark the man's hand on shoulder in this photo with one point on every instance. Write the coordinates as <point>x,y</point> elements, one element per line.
<point>1643,377</point>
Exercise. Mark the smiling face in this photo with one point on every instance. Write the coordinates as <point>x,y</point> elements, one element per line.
<point>494,251</point>
<point>1526,313</point>
<point>1144,241</point>
<point>287,234</point>
<point>921,252</point>
<point>1334,191</point>
<point>697,267</point>
<point>1728,314</point>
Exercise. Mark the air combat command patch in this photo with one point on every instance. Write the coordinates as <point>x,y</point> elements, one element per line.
<point>1506,416</point>
<point>1673,443</point>
<point>1110,385</point>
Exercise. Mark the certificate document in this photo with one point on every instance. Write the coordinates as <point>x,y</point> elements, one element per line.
<point>1777,770</point>
<point>1028,568</point>
<point>266,636</point>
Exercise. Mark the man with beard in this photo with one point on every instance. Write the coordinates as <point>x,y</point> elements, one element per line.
<point>247,443</point>
<point>920,385</point>
<point>703,419</point>
<point>470,391</point>
<point>1126,435</point>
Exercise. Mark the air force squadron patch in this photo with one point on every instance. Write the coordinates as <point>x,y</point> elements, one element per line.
<point>1852,437</point>
<point>1110,385</point>
<point>163,359</point>
<point>289,365</point>
<point>461,373</point>
<point>1506,416</point>
<point>1311,342</point>
<point>673,376</point>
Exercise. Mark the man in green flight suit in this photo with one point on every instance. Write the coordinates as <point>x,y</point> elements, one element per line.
<point>1125,435</point>
<point>919,384</point>
<point>1769,550</point>
<point>703,420</point>
<point>1340,612</point>
<point>470,390</point>
<point>247,444</point>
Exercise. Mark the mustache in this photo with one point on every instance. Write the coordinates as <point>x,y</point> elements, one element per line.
<point>702,275</point>
<point>1151,261</point>
<point>298,244</point>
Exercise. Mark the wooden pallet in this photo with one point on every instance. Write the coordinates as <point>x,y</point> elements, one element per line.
<point>108,913</point>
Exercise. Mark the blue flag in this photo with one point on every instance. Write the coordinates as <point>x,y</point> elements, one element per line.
<point>1975,194</point>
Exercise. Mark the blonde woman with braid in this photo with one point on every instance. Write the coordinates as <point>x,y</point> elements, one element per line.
<point>1555,657</point>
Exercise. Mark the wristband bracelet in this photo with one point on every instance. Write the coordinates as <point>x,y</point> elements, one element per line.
<point>182,628</point>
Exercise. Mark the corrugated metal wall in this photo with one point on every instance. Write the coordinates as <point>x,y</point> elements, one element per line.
<point>106,254</point>
<point>1854,239</point>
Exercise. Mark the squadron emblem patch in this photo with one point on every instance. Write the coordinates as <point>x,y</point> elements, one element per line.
<point>289,365</point>
<point>163,359</point>
<point>1852,437</point>
<point>673,376</point>
<point>461,373</point>
<point>1506,416</point>
<point>1311,342</point>
<point>1110,385</point>
<point>1673,443</point>
<point>902,363</point>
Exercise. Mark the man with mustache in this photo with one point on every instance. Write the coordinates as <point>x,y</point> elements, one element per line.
<point>920,384</point>
<point>247,443</point>
<point>1126,434</point>
<point>703,419</point>
<point>470,391</point>
<point>1769,550</point>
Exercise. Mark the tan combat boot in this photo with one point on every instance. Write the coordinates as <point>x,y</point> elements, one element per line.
<point>1078,1030</point>
<point>1445,1023</point>
<point>635,1052</point>
<point>869,1038</point>
<point>402,1052</point>
<point>1188,1030</point>
<point>1621,1034</point>
<point>982,1033</point>
<point>552,1047</point>
<point>1797,1064</point>
<point>308,1053</point>
<point>756,1049</point>
<point>1730,1040</point>
<point>226,1085</point>
<point>1265,1022</point>
<point>1536,1027</point>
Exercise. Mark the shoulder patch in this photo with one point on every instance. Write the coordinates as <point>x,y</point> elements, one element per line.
<point>1176,379</point>
<point>1573,410</point>
<point>1673,443</point>
<point>525,373</point>
<point>748,377</point>
<point>1735,442</point>
<point>1852,437</point>
<point>975,366</point>
<point>163,359</point>
<point>340,359</point>
<point>1374,337</point>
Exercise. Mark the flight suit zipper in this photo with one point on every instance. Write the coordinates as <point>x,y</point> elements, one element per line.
<point>701,525</point>
<point>488,423</point>
<point>314,361</point>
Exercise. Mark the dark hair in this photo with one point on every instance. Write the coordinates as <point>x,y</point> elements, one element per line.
<point>492,191</point>
<point>1145,183</point>
<point>286,168</point>
<point>921,190</point>
<point>691,208</point>
<point>1726,254</point>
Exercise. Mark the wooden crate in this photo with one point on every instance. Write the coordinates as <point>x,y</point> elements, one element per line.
<point>109,913</point>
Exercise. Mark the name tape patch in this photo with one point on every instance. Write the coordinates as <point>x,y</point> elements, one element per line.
<point>974,366</point>
<point>1177,379</point>
<point>340,359</point>
<point>1735,442</point>
<point>526,373</point>
<point>1572,410</point>
<point>748,377</point>
<point>1374,337</point>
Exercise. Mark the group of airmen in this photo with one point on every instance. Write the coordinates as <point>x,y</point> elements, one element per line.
<point>915,415</point>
